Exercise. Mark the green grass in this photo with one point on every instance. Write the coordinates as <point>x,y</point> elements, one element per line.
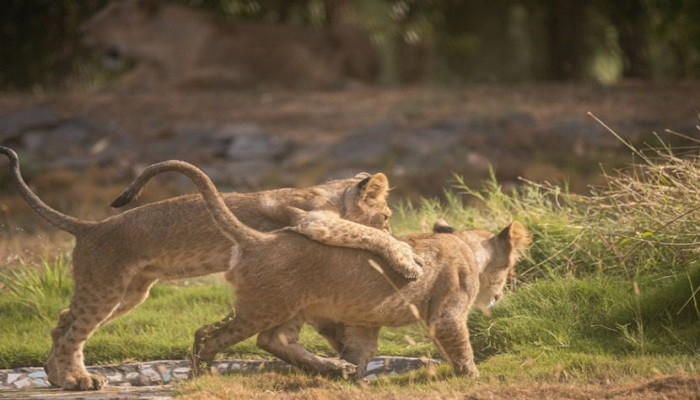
<point>609,289</point>
<point>161,328</point>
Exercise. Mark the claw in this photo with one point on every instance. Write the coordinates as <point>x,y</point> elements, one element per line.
<point>347,370</point>
<point>84,383</point>
<point>418,260</point>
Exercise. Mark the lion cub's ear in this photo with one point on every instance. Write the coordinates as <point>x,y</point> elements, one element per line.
<point>442,226</point>
<point>517,237</point>
<point>375,187</point>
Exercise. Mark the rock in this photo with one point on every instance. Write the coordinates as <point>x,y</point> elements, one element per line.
<point>305,156</point>
<point>234,142</point>
<point>431,142</point>
<point>383,127</point>
<point>362,149</point>
<point>522,119</point>
<point>14,124</point>
<point>258,145</point>
<point>247,173</point>
<point>74,144</point>
<point>477,162</point>
<point>22,383</point>
<point>13,377</point>
<point>573,127</point>
<point>37,374</point>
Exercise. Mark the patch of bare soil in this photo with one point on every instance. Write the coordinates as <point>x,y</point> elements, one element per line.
<point>671,387</point>
<point>668,388</point>
<point>112,393</point>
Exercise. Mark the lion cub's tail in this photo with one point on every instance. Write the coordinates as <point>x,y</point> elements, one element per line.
<point>56,218</point>
<point>227,222</point>
<point>133,191</point>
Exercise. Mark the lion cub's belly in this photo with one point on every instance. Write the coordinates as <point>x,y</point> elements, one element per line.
<point>188,262</point>
<point>362,314</point>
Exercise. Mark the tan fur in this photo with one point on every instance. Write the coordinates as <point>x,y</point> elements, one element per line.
<point>177,46</point>
<point>340,293</point>
<point>117,260</point>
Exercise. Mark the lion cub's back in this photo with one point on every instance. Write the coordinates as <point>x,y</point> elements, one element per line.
<point>341,284</point>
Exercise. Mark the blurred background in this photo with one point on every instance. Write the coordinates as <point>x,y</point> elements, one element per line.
<point>270,93</point>
<point>436,41</point>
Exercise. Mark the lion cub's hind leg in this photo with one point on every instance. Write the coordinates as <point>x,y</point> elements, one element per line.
<point>65,319</point>
<point>282,342</point>
<point>105,286</point>
<point>136,293</point>
<point>246,319</point>
<point>90,306</point>
<point>360,347</point>
<point>354,344</point>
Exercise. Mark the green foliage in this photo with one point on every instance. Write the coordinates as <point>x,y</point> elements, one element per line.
<point>40,41</point>
<point>589,315</point>
<point>38,292</point>
<point>614,272</point>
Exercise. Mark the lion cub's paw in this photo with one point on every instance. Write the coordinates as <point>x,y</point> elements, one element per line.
<point>345,370</point>
<point>336,368</point>
<point>469,369</point>
<point>84,382</point>
<point>406,262</point>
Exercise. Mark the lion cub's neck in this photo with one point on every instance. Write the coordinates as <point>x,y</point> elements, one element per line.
<point>483,246</point>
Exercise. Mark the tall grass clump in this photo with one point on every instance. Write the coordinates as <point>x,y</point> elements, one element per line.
<point>616,270</point>
<point>31,296</point>
<point>41,290</point>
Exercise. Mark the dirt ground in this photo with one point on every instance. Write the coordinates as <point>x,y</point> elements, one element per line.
<point>672,387</point>
<point>680,387</point>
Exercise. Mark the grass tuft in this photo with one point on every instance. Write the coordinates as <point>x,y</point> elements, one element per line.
<point>32,290</point>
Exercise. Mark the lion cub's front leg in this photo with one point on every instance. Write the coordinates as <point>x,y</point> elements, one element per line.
<point>328,228</point>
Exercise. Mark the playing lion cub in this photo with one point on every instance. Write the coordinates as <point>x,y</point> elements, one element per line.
<point>340,293</point>
<point>117,260</point>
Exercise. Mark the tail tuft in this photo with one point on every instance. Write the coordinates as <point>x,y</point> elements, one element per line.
<point>132,192</point>
<point>9,153</point>
<point>121,201</point>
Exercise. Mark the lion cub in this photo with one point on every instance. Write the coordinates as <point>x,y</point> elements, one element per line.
<point>116,261</point>
<point>349,301</point>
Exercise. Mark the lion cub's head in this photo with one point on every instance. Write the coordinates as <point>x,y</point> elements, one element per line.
<point>496,255</point>
<point>366,202</point>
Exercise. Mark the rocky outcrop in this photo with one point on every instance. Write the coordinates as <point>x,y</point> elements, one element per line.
<point>280,139</point>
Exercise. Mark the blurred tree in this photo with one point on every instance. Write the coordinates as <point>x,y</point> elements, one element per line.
<point>443,40</point>
<point>39,40</point>
<point>493,41</point>
<point>676,38</point>
<point>567,28</point>
<point>632,23</point>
